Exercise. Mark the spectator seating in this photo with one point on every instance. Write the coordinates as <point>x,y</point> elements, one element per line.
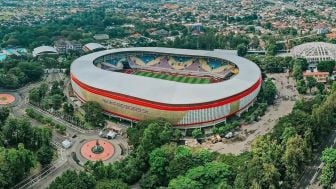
<point>113,61</point>
<point>214,64</point>
<point>147,58</point>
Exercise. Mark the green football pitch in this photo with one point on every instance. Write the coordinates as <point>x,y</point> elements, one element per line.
<point>177,78</point>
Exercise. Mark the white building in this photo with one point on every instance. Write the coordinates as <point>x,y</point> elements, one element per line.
<point>44,50</point>
<point>315,52</point>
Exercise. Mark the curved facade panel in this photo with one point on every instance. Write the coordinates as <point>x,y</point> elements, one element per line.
<point>125,94</point>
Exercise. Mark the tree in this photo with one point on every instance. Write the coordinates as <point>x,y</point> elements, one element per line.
<point>94,114</point>
<point>197,133</point>
<point>68,108</point>
<point>17,131</point>
<point>268,25</point>
<point>156,134</point>
<point>43,89</point>
<point>33,71</point>
<point>271,49</point>
<point>288,132</point>
<point>55,88</point>
<point>326,66</point>
<point>46,103</point>
<point>19,161</point>
<point>299,65</point>
<point>34,96</point>
<point>301,86</point>
<point>56,101</point>
<point>41,137</point>
<point>9,81</point>
<point>328,170</point>
<point>183,182</point>
<point>4,113</point>
<point>135,133</point>
<point>294,157</point>
<point>37,94</point>
<point>333,86</point>
<point>150,180</point>
<point>327,175</point>
<point>263,169</point>
<point>5,172</point>
<point>111,184</point>
<point>45,155</point>
<point>268,91</point>
<point>241,50</point>
<point>311,82</point>
<point>182,161</point>
<point>320,87</point>
<point>177,134</point>
<point>72,179</point>
<point>158,161</point>
<point>20,131</point>
<point>297,72</point>
<point>324,115</point>
<point>329,156</point>
<point>210,175</point>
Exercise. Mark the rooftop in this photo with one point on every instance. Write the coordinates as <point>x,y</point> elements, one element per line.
<point>316,51</point>
<point>44,50</point>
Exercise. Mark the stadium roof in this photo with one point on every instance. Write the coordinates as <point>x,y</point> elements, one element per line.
<point>315,51</point>
<point>164,91</point>
<point>44,50</point>
<point>94,46</point>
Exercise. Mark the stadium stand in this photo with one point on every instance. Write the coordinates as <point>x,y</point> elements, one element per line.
<point>211,70</point>
<point>214,64</point>
<point>113,61</point>
<point>147,58</point>
<point>179,63</point>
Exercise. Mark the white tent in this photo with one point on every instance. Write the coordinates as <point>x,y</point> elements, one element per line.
<point>111,135</point>
<point>66,144</point>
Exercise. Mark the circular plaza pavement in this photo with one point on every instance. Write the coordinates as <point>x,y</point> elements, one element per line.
<point>105,152</point>
<point>6,99</point>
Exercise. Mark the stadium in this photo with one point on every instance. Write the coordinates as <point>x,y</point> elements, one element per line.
<point>189,88</point>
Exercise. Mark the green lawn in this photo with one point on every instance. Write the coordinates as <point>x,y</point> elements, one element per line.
<point>192,80</point>
<point>182,79</point>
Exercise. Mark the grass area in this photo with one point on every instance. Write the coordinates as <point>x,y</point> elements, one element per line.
<point>179,78</point>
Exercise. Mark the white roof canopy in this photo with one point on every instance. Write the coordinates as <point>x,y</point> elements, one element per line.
<point>44,50</point>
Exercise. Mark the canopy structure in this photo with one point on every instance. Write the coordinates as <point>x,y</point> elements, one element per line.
<point>315,51</point>
<point>43,50</point>
<point>91,47</point>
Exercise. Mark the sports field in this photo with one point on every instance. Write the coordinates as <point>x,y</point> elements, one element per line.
<point>178,78</point>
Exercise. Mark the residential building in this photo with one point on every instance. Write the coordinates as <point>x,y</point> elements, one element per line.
<point>64,46</point>
<point>321,77</point>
